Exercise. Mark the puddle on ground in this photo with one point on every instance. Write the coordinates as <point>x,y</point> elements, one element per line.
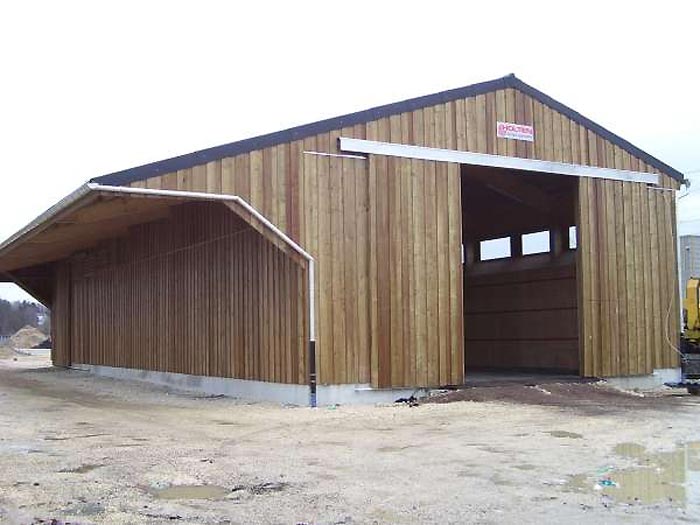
<point>658,477</point>
<point>190,492</point>
<point>84,509</point>
<point>564,434</point>
<point>18,449</point>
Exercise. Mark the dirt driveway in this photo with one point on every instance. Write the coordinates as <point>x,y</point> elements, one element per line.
<point>91,450</point>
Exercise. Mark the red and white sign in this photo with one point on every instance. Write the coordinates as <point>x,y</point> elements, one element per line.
<point>508,130</point>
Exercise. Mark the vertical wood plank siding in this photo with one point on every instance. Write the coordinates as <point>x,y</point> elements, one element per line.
<point>627,279</point>
<point>177,295</point>
<point>61,312</point>
<point>384,235</point>
<point>417,292</point>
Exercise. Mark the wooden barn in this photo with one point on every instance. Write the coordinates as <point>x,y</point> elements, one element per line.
<point>488,227</point>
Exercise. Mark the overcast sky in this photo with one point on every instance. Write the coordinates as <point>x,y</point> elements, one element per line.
<point>88,88</point>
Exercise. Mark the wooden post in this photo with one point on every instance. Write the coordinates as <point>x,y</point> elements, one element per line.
<point>516,245</point>
<point>471,252</point>
<point>556,241</point>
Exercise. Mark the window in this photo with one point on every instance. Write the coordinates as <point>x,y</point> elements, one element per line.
<point>537,242</point>
<point>572,238</point>
<point>495,249</point>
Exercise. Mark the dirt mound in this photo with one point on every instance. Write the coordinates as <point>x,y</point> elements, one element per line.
<point>27,337</point>
<point>595,398</point>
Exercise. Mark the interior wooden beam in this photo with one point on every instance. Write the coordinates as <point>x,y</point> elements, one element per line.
<point>516,189</point>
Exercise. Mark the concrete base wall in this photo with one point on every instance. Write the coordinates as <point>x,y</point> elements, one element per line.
<point>300,395</point>
<point>257,390</point>
<point>656,379</point>
<point>242,388</point>
<point>34,352</point>
<point>362,394</point>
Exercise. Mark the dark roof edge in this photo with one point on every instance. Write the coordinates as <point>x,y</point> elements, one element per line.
<point>597,128</point>
<point>299,132</point>
<point>361,117</point>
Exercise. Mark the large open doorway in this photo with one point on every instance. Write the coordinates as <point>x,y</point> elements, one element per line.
<point>520,291</point>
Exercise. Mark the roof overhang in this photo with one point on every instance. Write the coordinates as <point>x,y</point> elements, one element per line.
<point>97,212</point>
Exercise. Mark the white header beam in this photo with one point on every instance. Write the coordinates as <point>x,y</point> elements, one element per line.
<point>391,149</point>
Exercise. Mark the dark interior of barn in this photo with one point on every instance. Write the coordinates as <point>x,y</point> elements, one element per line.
<point>520,291</point>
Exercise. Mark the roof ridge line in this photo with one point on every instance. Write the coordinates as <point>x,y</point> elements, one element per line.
<point>232,149</point>
<point>584,121</point>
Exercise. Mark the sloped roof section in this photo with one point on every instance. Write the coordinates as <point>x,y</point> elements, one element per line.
<point>361,117</point>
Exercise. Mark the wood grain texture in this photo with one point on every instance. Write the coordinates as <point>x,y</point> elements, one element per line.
<point>626,327</point>
<point>383,234</point>
<point>173,296</point>
<point>417,290</point>
<point>523,318</point>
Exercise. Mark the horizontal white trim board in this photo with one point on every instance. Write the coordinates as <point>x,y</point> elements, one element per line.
<point>391,149</point>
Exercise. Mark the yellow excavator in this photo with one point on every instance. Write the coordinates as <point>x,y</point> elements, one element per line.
<point>690,338</point>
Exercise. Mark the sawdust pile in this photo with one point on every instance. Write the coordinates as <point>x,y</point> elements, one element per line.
<point>27,337</point>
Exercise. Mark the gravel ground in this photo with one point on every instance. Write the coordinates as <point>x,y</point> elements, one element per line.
<point>80,449</point>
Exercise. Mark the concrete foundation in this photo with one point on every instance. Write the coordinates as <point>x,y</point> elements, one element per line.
<point>362,394</point>
<point>257,390</point>
<point>241,388</point>
<point>34,352</point>
<point>656,379</point>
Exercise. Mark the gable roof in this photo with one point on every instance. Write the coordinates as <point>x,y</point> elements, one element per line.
<point>362,117</point>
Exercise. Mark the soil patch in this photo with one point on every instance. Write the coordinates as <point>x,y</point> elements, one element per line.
<point>592,398</point>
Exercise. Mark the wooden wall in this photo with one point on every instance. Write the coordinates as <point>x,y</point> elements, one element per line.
<point>523,318</point>
<point>415,273</point>
<point>323,204</point>
<point>199,293</point>
<point>60,317</point>
<point>628,276</point>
